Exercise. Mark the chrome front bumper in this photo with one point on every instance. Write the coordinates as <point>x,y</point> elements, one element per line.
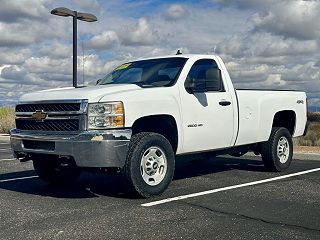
<point>89,149</point>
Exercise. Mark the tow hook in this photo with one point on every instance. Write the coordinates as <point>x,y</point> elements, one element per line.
<point>23,157</point>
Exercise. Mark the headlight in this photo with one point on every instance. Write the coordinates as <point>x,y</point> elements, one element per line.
<point>105,115</point>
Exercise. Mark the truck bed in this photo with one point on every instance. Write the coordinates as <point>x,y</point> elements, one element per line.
<point>257,109</point>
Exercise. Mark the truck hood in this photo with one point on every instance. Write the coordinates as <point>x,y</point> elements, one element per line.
<point>93,94</point>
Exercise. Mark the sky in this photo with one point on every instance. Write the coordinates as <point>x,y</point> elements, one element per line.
<point>267,44</point>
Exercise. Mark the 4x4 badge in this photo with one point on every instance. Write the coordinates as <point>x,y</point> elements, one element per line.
<point>39,115</point>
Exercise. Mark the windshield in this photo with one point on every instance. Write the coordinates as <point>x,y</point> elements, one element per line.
<point>152,73</point>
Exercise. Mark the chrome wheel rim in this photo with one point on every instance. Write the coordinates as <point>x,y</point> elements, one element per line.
<point>153,166</point>
<point>283,149</point>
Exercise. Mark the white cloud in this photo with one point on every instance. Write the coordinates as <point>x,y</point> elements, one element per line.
<point>87,3</point>
<point>265,44</point>
<point>14,35</point>
<point>175,12</point>
<point>274,80</point>
<point>12,11</point>
<point>14,56</point>
<point>13,72</point>
<point>139,33</point>
<point>56,50</point>
<point>48,65</point>
<point>296,19</point>
<point>289,18</point>
<point>104,41</point>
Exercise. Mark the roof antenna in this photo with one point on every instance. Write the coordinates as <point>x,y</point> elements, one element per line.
<point>178,52</point>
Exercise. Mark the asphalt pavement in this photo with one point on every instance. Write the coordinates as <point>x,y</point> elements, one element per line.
<point>210,198</point>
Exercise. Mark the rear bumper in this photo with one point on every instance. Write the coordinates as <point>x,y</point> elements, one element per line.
<point>106,148</point>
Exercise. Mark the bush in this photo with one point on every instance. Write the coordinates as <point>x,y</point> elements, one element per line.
<point>312,138</point>
<point>7,116</point>
<point>314,116</point>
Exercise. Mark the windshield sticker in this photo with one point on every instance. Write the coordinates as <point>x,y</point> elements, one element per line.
<point>123,66</point>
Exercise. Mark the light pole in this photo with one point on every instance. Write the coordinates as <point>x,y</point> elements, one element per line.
<point>87,17</point>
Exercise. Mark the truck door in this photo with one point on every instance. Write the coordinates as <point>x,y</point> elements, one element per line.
<point>207,109</point>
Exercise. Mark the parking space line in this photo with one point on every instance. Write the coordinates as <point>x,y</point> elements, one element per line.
<point>150,204</point>
<point>20,178</point>
<point>7,159</point>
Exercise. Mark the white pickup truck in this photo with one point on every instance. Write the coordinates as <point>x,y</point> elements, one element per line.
<point>144,113</point>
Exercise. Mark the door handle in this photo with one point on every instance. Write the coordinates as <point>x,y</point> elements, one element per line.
<point>224,103</point>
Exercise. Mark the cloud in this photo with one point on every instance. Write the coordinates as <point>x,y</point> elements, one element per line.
<point>139,34</point>
<point>296,19</point>
<point>46,64</point>
<point>265,44</point>
<point>175,12</point>
<point>33,31</point>
<point>56,50</point>
<point>87,3</point>
<point>274,80</point>
<point>13,11</point>
<point>104,41</point>
<point>14,56</point>
<point>13,35</point>
<point>13,73</point>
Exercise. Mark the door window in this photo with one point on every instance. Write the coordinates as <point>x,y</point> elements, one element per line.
<point>205,74</point>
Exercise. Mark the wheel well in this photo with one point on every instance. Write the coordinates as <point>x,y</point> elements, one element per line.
<point>162,124</point>
<point>285,119</point>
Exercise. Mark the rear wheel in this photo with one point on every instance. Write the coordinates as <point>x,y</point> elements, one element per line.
<point>150,164</point>
<point>56,171</point>
<point>278,150</point>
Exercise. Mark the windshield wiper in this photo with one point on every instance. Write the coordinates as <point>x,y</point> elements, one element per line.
<point>106,83</point>
<point>143,84</point>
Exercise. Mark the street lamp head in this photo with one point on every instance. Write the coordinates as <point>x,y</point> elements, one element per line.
<point>88,17</point>
<point>64,12</point>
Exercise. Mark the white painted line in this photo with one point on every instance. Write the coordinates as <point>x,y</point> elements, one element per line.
<point>227,188</point>
<point>7,159</point>
<point>14,179</point>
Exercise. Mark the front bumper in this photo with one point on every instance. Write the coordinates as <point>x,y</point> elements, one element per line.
<point>106,148</point>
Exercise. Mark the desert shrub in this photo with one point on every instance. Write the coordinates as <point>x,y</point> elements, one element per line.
<point>314,116</point>
<point>312,137</point>
<point>7,121</point>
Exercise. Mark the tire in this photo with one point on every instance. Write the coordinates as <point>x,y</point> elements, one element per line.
<point>150,164</point>
<point>277,151</point>
<point>56,171</point>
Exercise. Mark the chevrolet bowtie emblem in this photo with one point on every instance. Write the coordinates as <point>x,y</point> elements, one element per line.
<point>39,115</point>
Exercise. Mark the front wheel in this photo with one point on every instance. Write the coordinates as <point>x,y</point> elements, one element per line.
<point>278,150</point>
<point>150,164</point>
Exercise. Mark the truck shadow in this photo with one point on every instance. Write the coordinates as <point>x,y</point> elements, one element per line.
<point>95,185</point>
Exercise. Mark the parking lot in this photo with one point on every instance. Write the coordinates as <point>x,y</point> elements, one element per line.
<point>216,198</point>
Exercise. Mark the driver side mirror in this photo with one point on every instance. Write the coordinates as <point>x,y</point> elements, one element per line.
<point>98,81</point>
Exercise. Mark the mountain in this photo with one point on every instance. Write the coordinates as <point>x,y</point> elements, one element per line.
<point>314,108</point>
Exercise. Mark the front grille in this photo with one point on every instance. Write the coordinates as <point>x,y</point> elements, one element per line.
<point>49,107</point>
<point>66,116</point>
<point>48,125</point>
